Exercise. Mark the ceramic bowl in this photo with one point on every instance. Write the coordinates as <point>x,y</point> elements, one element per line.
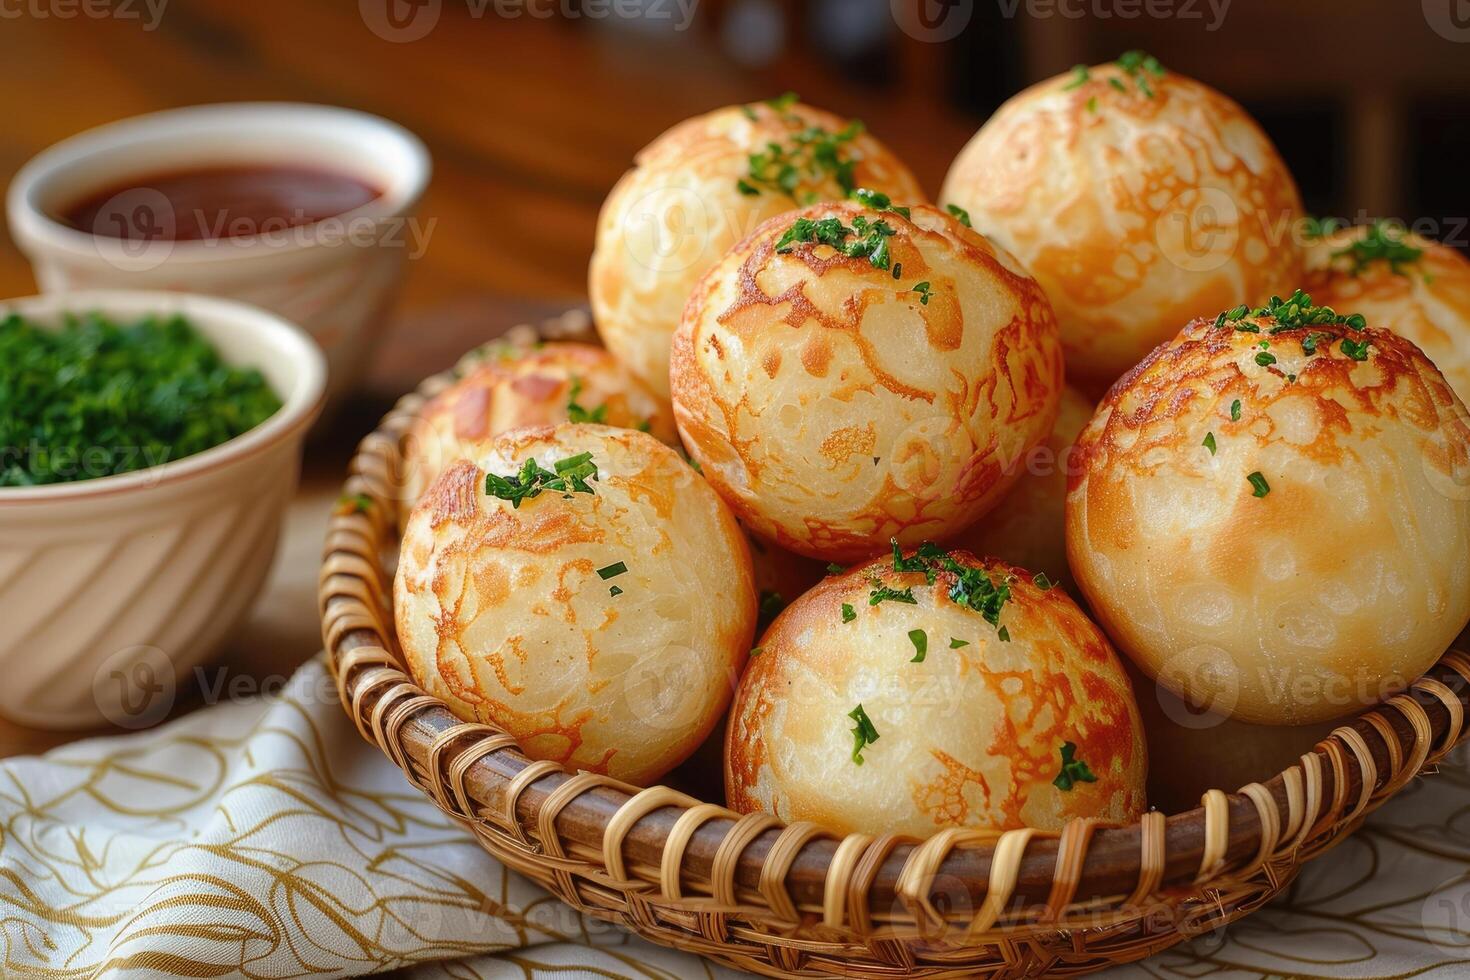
<point>113,589</point>
<point>336,278</point>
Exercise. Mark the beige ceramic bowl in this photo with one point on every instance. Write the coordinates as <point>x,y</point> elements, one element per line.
<point>334,278</point>
<point>113,589</point>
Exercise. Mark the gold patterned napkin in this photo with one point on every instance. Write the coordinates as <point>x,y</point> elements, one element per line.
<point>265,839</point>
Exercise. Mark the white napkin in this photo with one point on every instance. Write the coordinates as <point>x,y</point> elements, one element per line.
<point>265,839</point>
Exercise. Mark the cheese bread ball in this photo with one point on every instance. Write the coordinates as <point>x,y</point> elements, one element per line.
<point>880,702</point>
<point>1138,199</point>
<point>1028,527</point>
<point>700,188</point>
<point>1271,514</point>
<point>1415,287</point>
<point>544,385</point>
<point>835,404</point>
<point>582,588</point>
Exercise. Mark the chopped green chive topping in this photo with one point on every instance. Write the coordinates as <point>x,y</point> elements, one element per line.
<point>1042,582</point>
<point>1235,410</point>
<point>1356,349</point>
<point>577,413</point>
<point>1081,75</point>
<point>972,586</point>
<point>1258,482</point>
<point>848,613</point>
<point>1092,103</point>
<point>1382,242</point>
<point>960,213</point>
<point>1209,442</point>
<point>756,652</point>
<point>810,153</point>
<point>771,604</point>
<point>1265,359</point>
<point>1140,67</point>
<point>1313,227</point>
<point>1074,770</point>
<point>920,640</point>
<point>1004,635</point>
<point>570,476</point>
<point>784,101</point>
<point>883,593</point>
<point>612,571</point>
<point>354,503</point>
<point>870,238</point>
<point>956,644</point>
<point>863,735</point>
<point>615,591</point>
<point>922,289</point>
<point>878,201</point>
<point>835,569</point>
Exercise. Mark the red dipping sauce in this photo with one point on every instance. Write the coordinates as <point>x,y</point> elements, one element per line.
<point>212,203</point>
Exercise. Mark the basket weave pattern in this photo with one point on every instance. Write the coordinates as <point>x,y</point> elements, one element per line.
<point>797,901</point>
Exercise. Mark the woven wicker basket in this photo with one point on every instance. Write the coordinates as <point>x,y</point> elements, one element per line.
<point>796,901</point>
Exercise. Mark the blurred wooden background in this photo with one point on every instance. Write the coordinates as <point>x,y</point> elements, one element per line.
<point>533,107</point>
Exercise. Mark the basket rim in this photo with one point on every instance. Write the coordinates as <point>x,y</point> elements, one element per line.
<point>662,849</point>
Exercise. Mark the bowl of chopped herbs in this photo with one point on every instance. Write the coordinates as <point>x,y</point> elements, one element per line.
<point>149,444</point>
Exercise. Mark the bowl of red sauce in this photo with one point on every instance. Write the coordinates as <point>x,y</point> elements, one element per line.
<point>306,211</point>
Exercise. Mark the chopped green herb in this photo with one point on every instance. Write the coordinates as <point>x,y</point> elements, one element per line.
<point>771,604</point>
<point>973,588</point>
<point>1356,349</point>
<point>835,569</point>
<point>863,735</point>
<point>1139,66</point>
<point>878,201</point>
<point>1258,482</point>
<point>1042,582</point>
<point>1092,103</point>
<point>1265,359</point>
<point>920,640</point>
<point>883,593</point>
<point>354,503</point>
<point>97,397</point>
<point>870,238</point>
<point>1381,242</point>
<point>811,153</point>
<point>848,613</point>
<point>784,101</point>
<point>914,563</point>
<point>922,289</point>
<point>1235,410</point>
<point>570,476</point>
<point>577,413</point>
<point>612,571</point>
<point>960,213</point>
<point>956,644</point>
<point>1081,75</point>
<point>1074,770</point>
<point>1209,442</point>
<point>1004,634</point>
<point>615,591</point>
